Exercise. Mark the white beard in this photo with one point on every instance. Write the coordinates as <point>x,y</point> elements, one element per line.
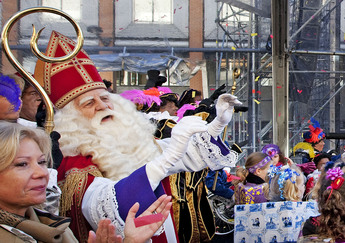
<point>118,147</point>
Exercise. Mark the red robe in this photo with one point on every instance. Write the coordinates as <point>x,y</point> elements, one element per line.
<point>75,174</point>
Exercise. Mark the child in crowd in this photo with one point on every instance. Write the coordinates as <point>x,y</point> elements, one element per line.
<point>286,183</point>
<point>276,154</point>
<point>320,161</point>
<point>330,224</point>
<point>278,158</point>
<point>252,187</point>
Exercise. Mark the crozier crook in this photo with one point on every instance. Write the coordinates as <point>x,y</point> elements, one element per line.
<point>49,122</point>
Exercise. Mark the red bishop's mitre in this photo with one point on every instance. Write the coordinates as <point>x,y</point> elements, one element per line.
<point>64,81</point>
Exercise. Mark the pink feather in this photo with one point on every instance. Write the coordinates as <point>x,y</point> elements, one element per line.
<point>183,109</point>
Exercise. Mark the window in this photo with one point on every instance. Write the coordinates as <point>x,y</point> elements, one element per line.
<point>73,8</point>
<point>153,11</point>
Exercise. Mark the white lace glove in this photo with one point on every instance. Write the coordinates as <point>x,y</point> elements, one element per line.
<point>225,109</point>
<point>157,169</point>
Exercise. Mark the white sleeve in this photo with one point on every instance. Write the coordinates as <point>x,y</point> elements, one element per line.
<point>202,153</point>
<point>100,202</point>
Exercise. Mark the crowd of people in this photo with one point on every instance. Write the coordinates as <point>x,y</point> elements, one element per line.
<point>269,176</point>
<point>113,174</point>
<point>103,175</point>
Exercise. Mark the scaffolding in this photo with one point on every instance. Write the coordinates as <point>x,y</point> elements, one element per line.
<point>244,40</point>
<point>315,58</point>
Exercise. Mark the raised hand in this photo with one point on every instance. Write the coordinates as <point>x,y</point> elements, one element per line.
<point>144,233</point>
<point>218,92</point>
<point>225,109</point>
<point>106,233</point>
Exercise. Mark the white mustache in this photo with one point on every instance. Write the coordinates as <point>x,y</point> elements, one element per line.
<point>96,121</point>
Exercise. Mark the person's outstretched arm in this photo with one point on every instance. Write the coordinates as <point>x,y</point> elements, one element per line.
<point>106,231</point>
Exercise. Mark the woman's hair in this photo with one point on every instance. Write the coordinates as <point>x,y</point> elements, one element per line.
<point>286,188</point>
<point>252,160</point>
<point>332,207</point>
<point>11,134</point>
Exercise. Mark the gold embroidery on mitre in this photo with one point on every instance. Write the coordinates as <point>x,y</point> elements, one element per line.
<point>51,50</point>
<point>57,40</point>
<point>65,99</point>
<point>58,68</point>
<point>77,64</point>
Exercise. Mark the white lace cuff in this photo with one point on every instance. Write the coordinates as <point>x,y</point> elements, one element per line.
<point>100,202</point>
<point>211,152</point>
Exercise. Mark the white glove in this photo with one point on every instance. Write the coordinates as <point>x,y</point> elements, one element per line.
<point>157,169</point>
<point>225,109</point>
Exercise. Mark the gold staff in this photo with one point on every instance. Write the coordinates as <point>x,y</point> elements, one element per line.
<point>49,123</point>
<point>236,72</point>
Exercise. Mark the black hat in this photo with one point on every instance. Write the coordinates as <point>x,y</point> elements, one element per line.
<point>188,96</point>
<point>154,79</point>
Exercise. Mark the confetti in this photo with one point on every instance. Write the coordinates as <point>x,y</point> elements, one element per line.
<point>246,121</point>
<point>257,78</point>
<point>256,101</point>
<point>299,91</point>
<point>279,87</point>
<point>254,34</point>
<point>259,92</point>
<point>234,48</point>
<point>253,91</point>
<point>279,114</point>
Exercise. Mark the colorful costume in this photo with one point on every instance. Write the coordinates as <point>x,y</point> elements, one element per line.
<point>252,191</point>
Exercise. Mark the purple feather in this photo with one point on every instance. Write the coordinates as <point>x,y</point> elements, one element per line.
<point>11,91</point>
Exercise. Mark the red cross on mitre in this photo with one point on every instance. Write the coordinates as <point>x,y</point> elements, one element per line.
<point>64,81</point>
